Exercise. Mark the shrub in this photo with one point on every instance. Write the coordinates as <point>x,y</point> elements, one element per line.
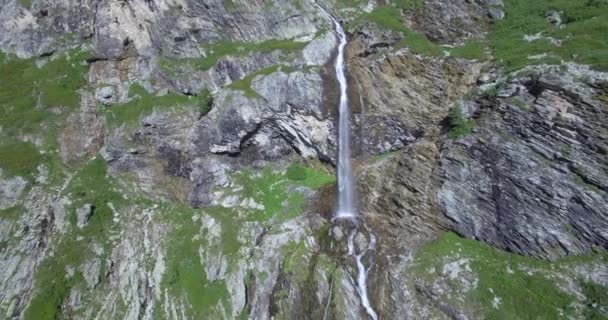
<point>459,125</point>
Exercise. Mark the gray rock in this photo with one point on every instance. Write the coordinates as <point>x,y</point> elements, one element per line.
<point>105,94</point>
<point>554,17</point>
<point>527,179</point>
<point>83,214</point>
<point>496,14</point>
<point>11,190</point>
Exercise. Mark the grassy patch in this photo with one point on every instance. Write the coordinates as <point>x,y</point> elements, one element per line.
<point>19,158</point>
<point>26,3</point>
<point>91,185</point>
<point>269,188</point>
<point>143,103</point>
<point>389,17</point>
<point>216,51</point>
<point>408,4</point>
<point>37,100</point>
<point>313,178</point>
<point>245,83</point>
<point>596,301</point>
<point>505,281</point>
<point>272,189</point>
<point>473,49</point>
<point>185,275</point>
<point>582,35</point>
<point>459,125</point>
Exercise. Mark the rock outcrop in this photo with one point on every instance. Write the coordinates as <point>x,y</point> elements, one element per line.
<point>174,159</point>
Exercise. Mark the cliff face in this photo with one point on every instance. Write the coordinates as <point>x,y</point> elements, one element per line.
<point>174,159</point>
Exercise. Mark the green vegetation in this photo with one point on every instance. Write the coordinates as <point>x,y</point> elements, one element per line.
<point>19,158</point>
<point>389,17</point>
<point>313,178</point>
<point>185,276</point>
<point>596,300</point>
<point>90,186</point>
<point>25,3</point>
<point>582,36</point>
<point>36,100</point>
<point>271,190</point>
<point>245,83</point>
<point>143,103</point>
<point>506,281</point>
<point>408,5</point>
<point>216,51</point>
<point>459,125</point>
<point>473,49</point>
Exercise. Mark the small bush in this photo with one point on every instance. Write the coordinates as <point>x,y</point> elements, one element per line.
<point>459,125</point>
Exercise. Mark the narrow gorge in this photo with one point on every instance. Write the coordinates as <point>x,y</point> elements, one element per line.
<point>296,159</point>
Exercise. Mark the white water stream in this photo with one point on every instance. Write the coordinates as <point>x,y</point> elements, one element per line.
<point>362,272</point>
<point>346,204</point>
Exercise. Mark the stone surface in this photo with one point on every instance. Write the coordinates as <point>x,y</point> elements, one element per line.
<point>533,168</point>
<point>151,207</point>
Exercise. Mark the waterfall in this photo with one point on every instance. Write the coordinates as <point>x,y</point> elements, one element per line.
<point>346,206</point>
<point>362,272</point>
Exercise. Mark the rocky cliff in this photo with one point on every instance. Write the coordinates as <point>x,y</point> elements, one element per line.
<point>174,159</point>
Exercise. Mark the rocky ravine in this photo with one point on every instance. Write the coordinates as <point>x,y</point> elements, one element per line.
<point>174,159</point>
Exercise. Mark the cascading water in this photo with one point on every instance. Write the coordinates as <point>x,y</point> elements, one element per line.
<point>346,205</point>
<point>362,272</point>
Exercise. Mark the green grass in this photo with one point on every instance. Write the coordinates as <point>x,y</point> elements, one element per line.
<point>268,188</point>
<point>409,5</point>
<point>517,280</point>
<point>583,34</point>
<point>272,189</point>
<point>219,50</point>
<point>596,299</point>
<point>91,185</point>
<point>185,275</point>
<point>245,83</point>
<point>26,3</point>
<point>37,100</point>
<point>313,178</point>
<point>473,49</point>
<point>144,103</point>
<point>459,125</point>
<point>389,17</point>
<point>19,158</point>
